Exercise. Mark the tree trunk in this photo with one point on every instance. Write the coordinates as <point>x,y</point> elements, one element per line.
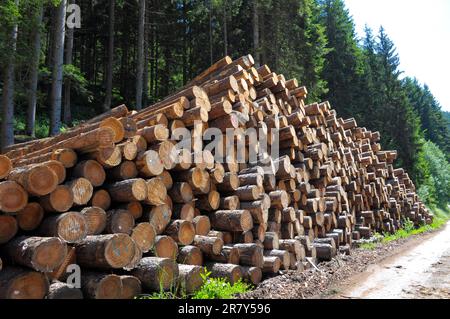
<point>109,69</point>
<point>225,31</point>
<point>8,92</point>
<point>67,116</point>
<point>256,33</point>
<point>34,73</point>
<point>58,64</point>
<point>140,60</point>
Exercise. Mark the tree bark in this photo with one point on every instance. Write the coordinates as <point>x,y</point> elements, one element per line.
<point>140,60</point>
<point>110,66</point>
<point>67,115</point>
<point>8,92</point>
<point>34,73</point>
<point>58,64</point>
<point>256,33</point>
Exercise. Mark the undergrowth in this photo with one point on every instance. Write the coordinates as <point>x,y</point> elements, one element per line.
<point>212,288</point>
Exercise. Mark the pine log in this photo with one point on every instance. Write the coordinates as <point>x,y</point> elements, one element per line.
<point>30,217</point>
<point>82,190</point>
<point>61,290</point>
<point>230,272</point>
<point>91,170</point>
<point>37,180</point>
<point>181,192</point>
<point>166,247</point>
<point>128,190</point>
<point>100,199</point>
<point>8,228</point>
<point>60,200</point>
<point>21,283</point>
<point>231,220</point>
<point>42,254</point>
<point>144,235</point>
<point>156,192</point>
<point>105,251</point>
<point>95,220</point>
<point>159,217</point>
<point>182,231</point>
<point>202,225</point>
<point>131,287</point>
<point>228,255</point>
<point>156,273</point>
<point>13,197</point>
<point>283,255</point>
<point>190,255</point>
<point>70,227</point>
<point>97,285</point>
<point>250,254</point>
<point>189,278</point>
<point>208,245</point>
<point>271,265</point>
<point>119,221</point>
<point>252,275</point>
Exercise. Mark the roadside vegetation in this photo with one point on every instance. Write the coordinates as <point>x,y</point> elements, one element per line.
<point>212,288</point>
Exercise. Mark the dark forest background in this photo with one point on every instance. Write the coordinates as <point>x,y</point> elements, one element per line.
<point>138,51</point>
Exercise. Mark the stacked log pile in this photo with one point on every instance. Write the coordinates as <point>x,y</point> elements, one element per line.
<point>118,198</point>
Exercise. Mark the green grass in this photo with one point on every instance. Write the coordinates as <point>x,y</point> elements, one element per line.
<point>212,288</point>
<point>219,288</point>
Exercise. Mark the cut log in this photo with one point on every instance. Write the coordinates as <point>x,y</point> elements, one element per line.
<point>189,278</point>
<point>231,220</point>
<point>283,255</point>
<point>82,190</point>
<point>182,231</point>
<point>131,287</point>
<point>5,166</point>
<point>181,192</point>
<point>60,200</point>
<point>232,273</point>
<point>271,241</point>
<point>101,199</point>
<point>166,247</point>
<point>119,221</point>
<point>271,265</point>
<point>202,225</point>
<point>37,180</point>
<point>208,245</point>
<point>128,190</point>
<point>21,283</point>
<point>149,164</point>
<point>252,275</point>
<point>13,197</point>
<point>97,285</point>
<point>126,170</point>
<point>156,192</point>
<point>250,255</point>
<point>105,251</point>
<point>134,208</point>
<point>91,170</point>
<point>42,254</point>
<point>8,228</point>
<point>30,217</point>
<point>228,255</point>
<point>156,273</point>
<point>159,217</point>
<point>70,227</point>
<point>95,220</point>
<point>61,290</point>
<point>144,235</point>
<point>190,255</point>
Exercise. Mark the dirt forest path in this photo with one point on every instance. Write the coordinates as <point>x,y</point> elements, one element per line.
<point>420,270</point>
